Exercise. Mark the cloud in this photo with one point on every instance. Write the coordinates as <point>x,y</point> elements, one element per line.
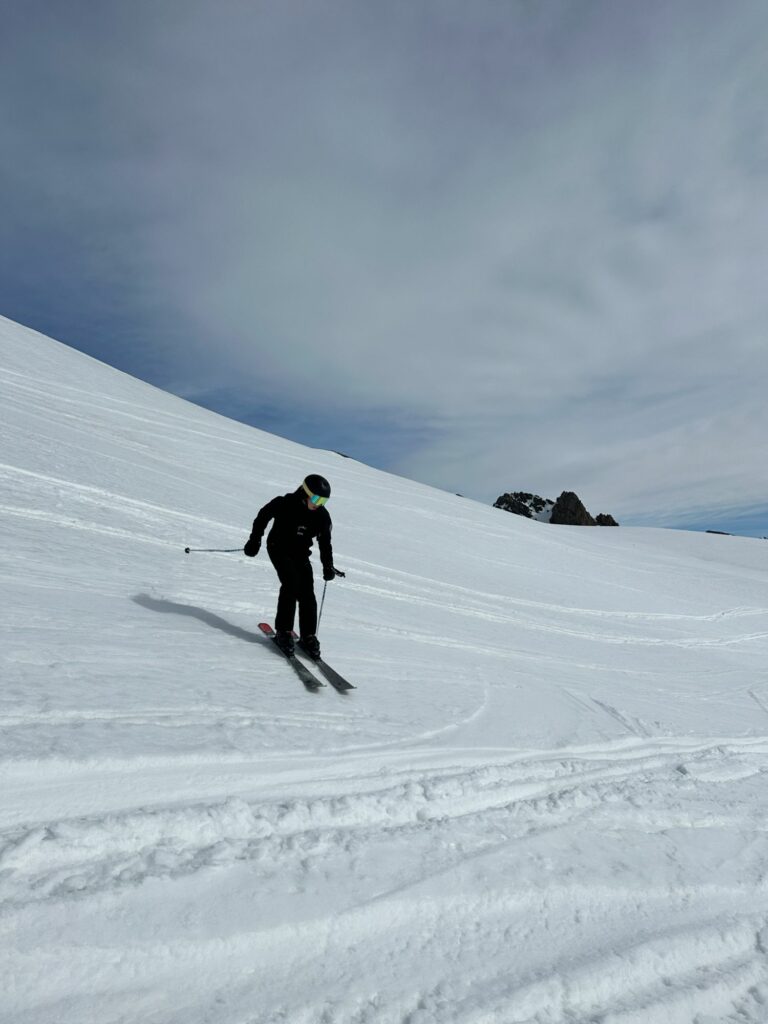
<point>534,235</point>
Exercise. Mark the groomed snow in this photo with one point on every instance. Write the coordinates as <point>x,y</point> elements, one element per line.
<point>545,802</point>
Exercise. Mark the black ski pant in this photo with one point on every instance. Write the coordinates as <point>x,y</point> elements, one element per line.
<point>297,586</point>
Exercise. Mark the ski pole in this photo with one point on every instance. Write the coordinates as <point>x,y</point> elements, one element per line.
<point>322,602</point>
<point>220,550</point>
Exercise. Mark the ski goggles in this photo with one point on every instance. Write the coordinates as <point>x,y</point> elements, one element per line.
<point>316,499</point>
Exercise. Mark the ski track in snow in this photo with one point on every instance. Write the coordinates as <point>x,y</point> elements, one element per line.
<point>476,821</point>
<point>45,859</point>
<point>544,804</point>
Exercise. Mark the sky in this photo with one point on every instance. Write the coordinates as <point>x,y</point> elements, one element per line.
<point>507,245</point>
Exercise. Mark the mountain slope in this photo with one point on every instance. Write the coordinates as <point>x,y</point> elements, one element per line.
<point>545,801</point>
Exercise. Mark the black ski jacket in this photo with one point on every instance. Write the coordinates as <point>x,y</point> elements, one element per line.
<point>295,527</point>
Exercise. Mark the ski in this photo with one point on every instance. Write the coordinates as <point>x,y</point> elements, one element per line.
<point>311,682</point>
<point>337,681</point>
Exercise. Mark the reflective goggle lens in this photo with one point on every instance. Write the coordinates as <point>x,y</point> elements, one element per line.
<point>316,500</point>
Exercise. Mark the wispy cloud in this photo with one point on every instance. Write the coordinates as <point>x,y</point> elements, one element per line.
<point>534,236</point>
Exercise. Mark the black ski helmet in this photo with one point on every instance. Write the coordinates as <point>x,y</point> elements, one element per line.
<point>316,486</point>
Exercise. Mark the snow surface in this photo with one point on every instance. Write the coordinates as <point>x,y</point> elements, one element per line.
<point>545,802</point>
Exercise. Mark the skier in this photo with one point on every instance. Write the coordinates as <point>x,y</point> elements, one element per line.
<point>299,518</point>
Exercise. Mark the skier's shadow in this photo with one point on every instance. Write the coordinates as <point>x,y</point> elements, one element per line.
<point>191,610</point>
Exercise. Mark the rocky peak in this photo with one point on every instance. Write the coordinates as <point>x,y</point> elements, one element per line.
<point>568,510</point>
<point>603,519</point>
<point>522,503</point>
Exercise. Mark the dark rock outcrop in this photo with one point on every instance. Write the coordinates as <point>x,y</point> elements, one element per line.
<point>569,511</point>
<point>522,503</point>
<point>510,503</point>
<point>519,503</point>
<point>605,520</point>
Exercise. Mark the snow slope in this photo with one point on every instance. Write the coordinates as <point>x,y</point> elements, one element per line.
<point>545,802</point>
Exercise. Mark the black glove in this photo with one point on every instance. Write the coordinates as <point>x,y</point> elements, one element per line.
<point>331,574</point>
<point>252,547</point>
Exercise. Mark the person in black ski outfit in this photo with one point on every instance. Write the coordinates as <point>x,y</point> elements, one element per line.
<point>299,518</point>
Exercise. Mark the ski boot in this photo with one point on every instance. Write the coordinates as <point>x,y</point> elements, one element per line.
<point>284,641</point>
<point>311,646</point>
